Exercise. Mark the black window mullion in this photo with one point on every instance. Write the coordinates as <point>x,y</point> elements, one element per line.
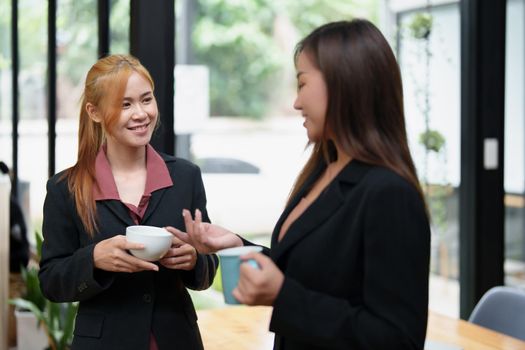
<point>15,97</point>
<point>482,209</point>
<point>103,28</point>
<point>152,41</point>
<point>51,88</point>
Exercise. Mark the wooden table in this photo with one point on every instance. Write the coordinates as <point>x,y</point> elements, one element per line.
<point>246,328</point>
<point>467,335</point>
<point>236,328</point>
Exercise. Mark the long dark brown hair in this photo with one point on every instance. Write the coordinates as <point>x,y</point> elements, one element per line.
<point>365,112</point>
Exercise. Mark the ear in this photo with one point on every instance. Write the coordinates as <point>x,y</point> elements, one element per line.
<point>93,113</point>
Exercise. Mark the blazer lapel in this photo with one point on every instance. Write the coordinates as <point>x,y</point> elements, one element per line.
<point>154,201</point>
<point>295,200</point>
<point>319,211</point>
<point>120,210</point>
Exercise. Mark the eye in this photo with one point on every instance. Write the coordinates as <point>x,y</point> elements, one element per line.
<point>147,100</point>
<point>126,105</point>
<point>300,85</point>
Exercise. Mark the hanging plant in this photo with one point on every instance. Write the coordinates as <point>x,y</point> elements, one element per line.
<point>432,140</point>
<point>421,25</point>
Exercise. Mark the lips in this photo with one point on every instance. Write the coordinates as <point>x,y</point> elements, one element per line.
<point>139,127</point>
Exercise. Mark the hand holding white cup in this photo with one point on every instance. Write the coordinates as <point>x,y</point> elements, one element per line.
<point>156,241</point>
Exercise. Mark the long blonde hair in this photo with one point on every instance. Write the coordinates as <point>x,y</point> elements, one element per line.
<point>104,88</point>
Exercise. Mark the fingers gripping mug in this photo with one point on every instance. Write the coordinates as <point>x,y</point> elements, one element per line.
<point>230,265</point>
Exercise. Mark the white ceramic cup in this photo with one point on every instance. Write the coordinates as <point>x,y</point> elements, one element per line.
<point>156,241</point>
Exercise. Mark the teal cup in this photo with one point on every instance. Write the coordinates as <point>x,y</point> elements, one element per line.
<point>230,265</point>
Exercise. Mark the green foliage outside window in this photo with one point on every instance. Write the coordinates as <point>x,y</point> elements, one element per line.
<point>236,40</point>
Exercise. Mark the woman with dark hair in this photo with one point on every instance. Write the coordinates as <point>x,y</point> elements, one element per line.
<point>119,180</point>
<point>349,260</point>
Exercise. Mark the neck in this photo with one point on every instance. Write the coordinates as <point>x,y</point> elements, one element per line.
<point>343,158</point>
<point>122,158</point>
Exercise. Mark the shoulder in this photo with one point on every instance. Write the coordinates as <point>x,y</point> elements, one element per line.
<point>365,175</point>
<point>383,178</point>
<point>57,188</point>
<point>58,181</point>
<point>382,185</point>
<point>179,165</point>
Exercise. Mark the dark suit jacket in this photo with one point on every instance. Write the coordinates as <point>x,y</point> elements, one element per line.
<point>119,310</point>
<point>356,265</point>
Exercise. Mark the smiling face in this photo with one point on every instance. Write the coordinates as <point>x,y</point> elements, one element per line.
<point>312,97</point>
<point>138,115</point>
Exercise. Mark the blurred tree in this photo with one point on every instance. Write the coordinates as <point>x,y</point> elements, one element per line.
<point>237,41</point>
<point>234,39</point>
<point>309,14</point>
<point>5,56</point>
<point>119,26</point>
<point>5,34</point>
<point>32,49</point>
<point>76,38</point>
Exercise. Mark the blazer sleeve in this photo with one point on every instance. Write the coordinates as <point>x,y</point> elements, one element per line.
<point>67,270</point>
<point>201,277</point>
<point>245,242</point>
<point>393,311</point>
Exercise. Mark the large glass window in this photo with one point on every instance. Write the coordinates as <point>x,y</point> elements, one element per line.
<point>251,92</point>
<point>515,145</point>
<point>6,110</point>
<point>32,78</point>
<point>119,26</point>
<point>76,52</point>
<point>429,56</point>
<point>251,142</point>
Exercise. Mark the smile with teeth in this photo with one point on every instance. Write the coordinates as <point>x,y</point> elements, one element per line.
<point>139,128</point>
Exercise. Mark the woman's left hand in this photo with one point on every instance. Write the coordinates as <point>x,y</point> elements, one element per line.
<point>258,286</point>
<point>181,256</point>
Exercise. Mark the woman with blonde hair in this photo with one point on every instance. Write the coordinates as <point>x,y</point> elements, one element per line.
<point>349,260</point>
<point>120,180</point>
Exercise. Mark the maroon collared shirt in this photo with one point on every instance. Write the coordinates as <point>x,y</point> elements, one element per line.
<point>157,177</point>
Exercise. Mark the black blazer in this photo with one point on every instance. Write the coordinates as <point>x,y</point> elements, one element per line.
<point>119,310</point>
<point>356,265</point>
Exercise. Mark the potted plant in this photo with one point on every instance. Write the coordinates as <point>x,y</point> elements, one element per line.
<point>56,320</point>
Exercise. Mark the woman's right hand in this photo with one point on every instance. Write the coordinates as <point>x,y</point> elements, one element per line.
<point>111,255</point>
<point>205,237</point>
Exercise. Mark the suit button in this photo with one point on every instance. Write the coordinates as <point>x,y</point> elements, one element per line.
<point>82,287</point>
<point>147,298</point>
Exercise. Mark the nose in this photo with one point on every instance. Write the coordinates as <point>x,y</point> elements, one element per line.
<point>297,104</point>
<point>139,112</point>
